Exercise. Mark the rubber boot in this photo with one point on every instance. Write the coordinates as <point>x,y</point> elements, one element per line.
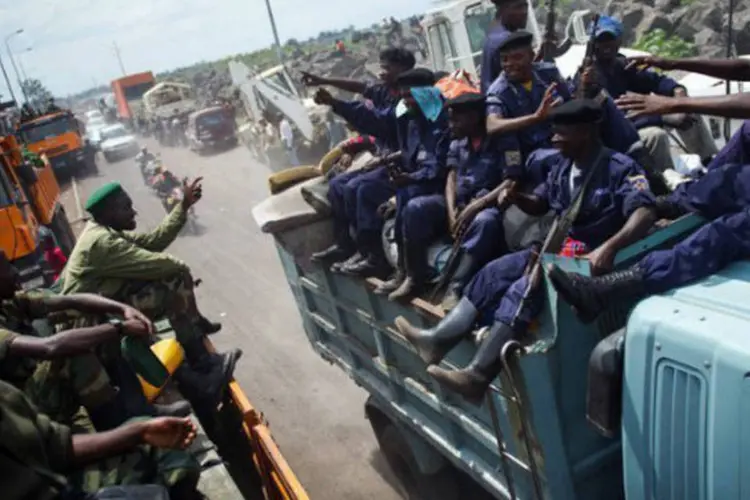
<point>434,343</point>
<point>176,409</point>
<point>473,381</point>
<point>205,388</point>
<point>590,296</point>
<point>461,276</point>
<point>416,272</point>
<point>207,326</point>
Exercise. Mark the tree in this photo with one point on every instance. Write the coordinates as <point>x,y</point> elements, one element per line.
<point>36,92</point>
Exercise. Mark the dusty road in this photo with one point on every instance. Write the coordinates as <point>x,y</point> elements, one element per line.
<point>316,412</point>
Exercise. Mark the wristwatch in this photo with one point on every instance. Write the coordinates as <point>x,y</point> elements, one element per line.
<point>118,325</point>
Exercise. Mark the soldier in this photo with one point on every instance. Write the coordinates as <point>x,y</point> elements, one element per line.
<point>618,77</point>
<point>617,209</point>
<point>466,209</point>
<point>511,15</point>
<point>111,260</point>
<point>41,458</point>
<point>59,372</point>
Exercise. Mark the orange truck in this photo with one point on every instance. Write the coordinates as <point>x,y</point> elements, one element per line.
<point>129,91</point>
<point>29,200</point>
<point>60,136</point>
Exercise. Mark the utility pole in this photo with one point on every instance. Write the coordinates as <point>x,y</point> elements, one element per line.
<point>7,80</point>
<point>119,58</point>
<point>279,52</point>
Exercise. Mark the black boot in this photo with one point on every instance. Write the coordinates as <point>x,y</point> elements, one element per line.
<point>207,326</point>
<point>591,296</point>
<point>472,382</point>
<point>433,344</point>
<point>416,274</point>
<point>204,388</point>
<point>464,271</point>
<point>111,414</point>
<point>334,253</point>
<point>667,209</point>
<point>176,409</point>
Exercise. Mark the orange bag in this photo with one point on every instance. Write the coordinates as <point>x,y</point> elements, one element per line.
<point>457,83</point>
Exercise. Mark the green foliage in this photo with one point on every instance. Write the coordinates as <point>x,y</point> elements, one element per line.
<point>36,92</point>
<point>658,43</point>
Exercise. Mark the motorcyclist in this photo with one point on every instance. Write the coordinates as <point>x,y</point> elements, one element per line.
<point>164,183</point>
<point>144,157</point>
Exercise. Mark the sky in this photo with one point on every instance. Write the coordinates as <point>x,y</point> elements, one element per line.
<point>72,42</point>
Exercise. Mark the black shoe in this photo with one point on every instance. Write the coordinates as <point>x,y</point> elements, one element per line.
<point>334,253</point>
<point>208,327</point>
<point>473,381</point>
<point>176,409</point>
<point>589,297</point>
<point>206,387</point>
<point>434,343</point>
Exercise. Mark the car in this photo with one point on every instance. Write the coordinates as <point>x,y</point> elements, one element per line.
<point>94,130</point>
<point>94,114</point>
<point>211,128</point>
<point>117,143</point>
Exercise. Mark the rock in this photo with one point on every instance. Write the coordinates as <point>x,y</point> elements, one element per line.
<point>742,32</point>
<point>698,16</point>
<point>710,43</point>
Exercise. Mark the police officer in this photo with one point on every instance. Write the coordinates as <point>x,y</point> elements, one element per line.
<point>467,209</point>
<point>417,127</point>
<point>520,99</point>
<point>723,194</point>
<point>342,189</point>
<point>618,77</point>
<point>510,15</point>
<point>616,211</point>
<point>41,458</point>
<point>737,150</point>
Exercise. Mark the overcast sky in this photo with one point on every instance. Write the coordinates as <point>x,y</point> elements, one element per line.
<point>72,40</point>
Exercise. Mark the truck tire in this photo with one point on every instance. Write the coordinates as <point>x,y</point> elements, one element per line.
<point>63,232</point>
<point>443,485</point>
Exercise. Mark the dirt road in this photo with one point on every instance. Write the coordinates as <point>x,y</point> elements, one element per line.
<point>316,412</point>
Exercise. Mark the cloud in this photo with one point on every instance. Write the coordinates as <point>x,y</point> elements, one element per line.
<point>73,41</point>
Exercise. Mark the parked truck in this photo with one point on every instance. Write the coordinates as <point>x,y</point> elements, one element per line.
<point>128,93</point>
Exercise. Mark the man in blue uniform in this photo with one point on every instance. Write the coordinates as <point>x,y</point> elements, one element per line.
<point>723,194</point>
<point>343,189</point>
<point>511,15</point>
<point>520,99</point>
<point>467,208</point>
<point>616,211</point>
<point>618,77</point>
<point>418,127</point>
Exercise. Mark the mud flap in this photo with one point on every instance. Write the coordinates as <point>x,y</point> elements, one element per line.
<point>604,391</point>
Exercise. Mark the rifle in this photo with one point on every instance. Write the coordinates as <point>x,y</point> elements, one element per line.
<point>588,60</point>
<point>548,46</point>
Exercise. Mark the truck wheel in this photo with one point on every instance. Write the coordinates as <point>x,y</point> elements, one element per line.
<point>63,232</point>
<point>442,485</point>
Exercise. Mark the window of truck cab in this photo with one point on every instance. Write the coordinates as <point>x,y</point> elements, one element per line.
<point>53,127</point>
<point>136,91</point>
<point>443,49</point>
<point>478,19</point>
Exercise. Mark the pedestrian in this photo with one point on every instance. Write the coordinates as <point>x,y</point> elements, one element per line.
<point>287,137</point>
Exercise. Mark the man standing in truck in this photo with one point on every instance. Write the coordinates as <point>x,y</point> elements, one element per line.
<point>511,15</point>
<point>616,209</point>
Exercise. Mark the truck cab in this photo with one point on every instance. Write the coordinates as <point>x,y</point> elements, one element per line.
<point>59,136</point>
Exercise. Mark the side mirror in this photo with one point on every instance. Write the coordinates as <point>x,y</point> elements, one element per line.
<point>26,173</point>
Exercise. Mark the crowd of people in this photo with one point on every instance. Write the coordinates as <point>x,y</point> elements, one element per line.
<point>74,418</point>
<point>590,150</point>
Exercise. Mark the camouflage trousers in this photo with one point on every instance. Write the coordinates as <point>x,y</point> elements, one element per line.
<point>60,387</point>
<point>145,465</point>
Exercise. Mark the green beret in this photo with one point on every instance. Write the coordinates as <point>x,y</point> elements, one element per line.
<point>102,194</point>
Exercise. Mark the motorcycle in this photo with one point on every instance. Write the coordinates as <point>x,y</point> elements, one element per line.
<point>171,198</point>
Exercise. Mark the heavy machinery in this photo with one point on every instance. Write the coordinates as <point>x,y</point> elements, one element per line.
<point>30,197</point>
<point>61,137</point>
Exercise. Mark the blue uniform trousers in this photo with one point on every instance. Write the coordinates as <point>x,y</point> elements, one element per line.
<point>724,189</point>
<point>338,190</point>
<point>369,191</point>
<point>426,220</point>
<point>737,150</point>
<point>711,248</point>
<point>497,291</point>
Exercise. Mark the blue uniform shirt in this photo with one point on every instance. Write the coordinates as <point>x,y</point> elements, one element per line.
<point>423,144</point>
<point>618,80</point>
<point>512,100</point>
<point>381,96</point>
<point>480,171</point>
<point>617,190</point>
<point>490,69</point>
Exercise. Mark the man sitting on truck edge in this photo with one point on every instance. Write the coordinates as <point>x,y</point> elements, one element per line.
<point>617,210</point>
<point>510,15</point>
<point>343,190</point>
<point>112,260</point>
<point>618,77</point>
<point>417,127</point>
<point>59,372</point>
<point>41,458</point>
<point>477,165</point>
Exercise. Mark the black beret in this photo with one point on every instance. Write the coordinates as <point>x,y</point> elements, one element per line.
<point>516,40</point>
<point>417,77</point>
<point>468,101</point>
<point>577,111</point>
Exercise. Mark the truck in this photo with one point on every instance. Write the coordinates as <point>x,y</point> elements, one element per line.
<point>647,402</point>
<point>128,92</point>
<point>60,136</point>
